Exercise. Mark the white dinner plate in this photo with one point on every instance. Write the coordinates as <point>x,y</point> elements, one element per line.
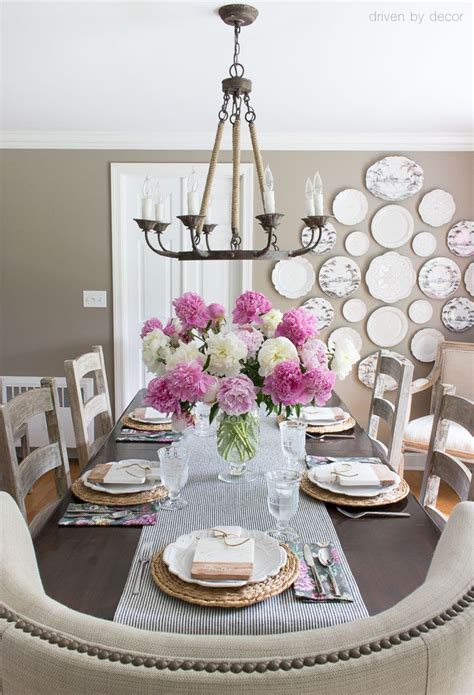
<point>357,243</point>
<point>458,314</point>
<point>460,238</point>
<point>117,489</point>
<point>326,242</point>
<point>268,560</point>
<point>392,226</point>
<point>343,333</point>
<point>350,206</point>
<point>322,309</point>
<point>424,344</point>
<point>293,278</point>
<point>437,207</point>
<point>420,311</point>
<point>354,310</point>
<point>439,277</point>
<point>424,244</point>
<point>339,276</point>
<point>358,491</point>
<point>390,277</point>
<point>387,326</point>
<point>394,178</point>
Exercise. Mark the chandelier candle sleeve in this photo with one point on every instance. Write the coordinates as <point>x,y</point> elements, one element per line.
<point>159,205</point>
<point>268,193</point>
<point>309,193</point>
<point>318,194</point>
<point>193,197</point>
<point>147,200</point>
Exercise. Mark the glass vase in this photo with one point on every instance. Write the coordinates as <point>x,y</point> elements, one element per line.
<point>238,439</point>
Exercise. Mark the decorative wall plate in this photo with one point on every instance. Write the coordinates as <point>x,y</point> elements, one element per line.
<point>394,178</point>
<point>357,243</point>
<point>354,310</point>
<point>420,311</point>
<point>293,278</point>
<point>387,326</point>
<point>469,279</point>
<point>458,314</point>
<point>424,244</point>
<point>424,344</point>
<point>461,238</point>
<point>392,226</point>
<point>327,241</point>
<point>439,277</point>
<point>437,207</point>
<point>339,276</point>
<point>390,277</point>
<point>368,367</point>
<point>350,206</point>
<point>322,309</point>
<point>342,334</point>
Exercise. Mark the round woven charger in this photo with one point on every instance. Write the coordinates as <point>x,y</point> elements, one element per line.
<point>327,429</point>
<point>86,494</point>
<point>395,495</point>
<point>135,425</point>
<point>224,598</point>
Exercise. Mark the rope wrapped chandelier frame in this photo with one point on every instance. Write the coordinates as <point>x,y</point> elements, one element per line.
<point>237,89</point>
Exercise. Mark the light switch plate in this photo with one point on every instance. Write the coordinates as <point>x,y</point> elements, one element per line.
<point>96,299</point>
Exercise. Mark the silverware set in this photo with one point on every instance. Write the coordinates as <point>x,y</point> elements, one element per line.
<point>74,514</point>
<point>144,561</point>
<point>326,560</point>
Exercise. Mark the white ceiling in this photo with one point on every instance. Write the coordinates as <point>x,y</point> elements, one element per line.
<point>322,72</point>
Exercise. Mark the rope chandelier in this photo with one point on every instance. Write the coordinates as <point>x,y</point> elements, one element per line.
<point>237,89</point>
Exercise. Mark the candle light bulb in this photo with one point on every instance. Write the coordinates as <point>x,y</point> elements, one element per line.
<point>309,193</point>
<point>159,204</point>
<point>158,194</point>
<point>268,179</point>
<point>193,197</point>
<point>318,194</point>
<point>317,183</point>
<point>147,199</point>
<point>193,182</point>
<point>147,188</point>
<point>268,193</point>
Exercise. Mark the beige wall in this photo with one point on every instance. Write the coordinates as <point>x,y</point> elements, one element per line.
<point>55,225</point>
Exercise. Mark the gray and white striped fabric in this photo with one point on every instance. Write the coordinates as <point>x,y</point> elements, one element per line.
<point>213,503</point>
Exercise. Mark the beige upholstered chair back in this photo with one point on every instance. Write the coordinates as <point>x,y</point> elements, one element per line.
<point>96,407</point>
<point>19,479</point>
<point>421,645</point>
<point>454,365</point>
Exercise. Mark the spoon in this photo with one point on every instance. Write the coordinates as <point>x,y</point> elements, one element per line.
<point>326,559</point>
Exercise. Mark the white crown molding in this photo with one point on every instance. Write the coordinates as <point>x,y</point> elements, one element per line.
<point>104,140</point>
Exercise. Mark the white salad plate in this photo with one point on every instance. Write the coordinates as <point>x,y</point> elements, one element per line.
<point>469,279</point>
<point>387,326</point>
<point>357,243</point>
<point>327,240</point>
<point>354,310</point>
<point>390,277</point>
<point>368,367</point>
<point>394,178</point>
<point>392,226</point>
<point>461,238</point>
<point>458,314</point>
<point>437,207</point>
<point>293,278</point>
<point>420,311</point>
<point>350,206</point>
<point>119,489</point>
<point>439,277</point>
<point>424,344</point>
<point>268,560</point>
<point>343,334</point>
<point>424,244</point>
<point>322,309</point>
<point>339,277</point>
<point>358,491</point>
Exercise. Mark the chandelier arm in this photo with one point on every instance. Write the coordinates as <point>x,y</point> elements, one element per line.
<point>257,155</point>
<point>310,247</point>
<point>235,177</point>
<point>164,252</point>
<point>211,171</point>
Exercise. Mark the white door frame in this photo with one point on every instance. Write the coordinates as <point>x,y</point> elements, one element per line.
<point>121,227</point>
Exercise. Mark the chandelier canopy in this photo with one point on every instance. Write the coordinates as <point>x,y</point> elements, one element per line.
<point>237,89</point>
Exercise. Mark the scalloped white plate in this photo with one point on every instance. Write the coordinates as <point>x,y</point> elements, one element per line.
<point>424,344</point>
<point>293,278</point>
<point>350,206</point>
<point>387,326</point>
<point>390,277</point>
<point>341,334</point>
<point>437,207</point>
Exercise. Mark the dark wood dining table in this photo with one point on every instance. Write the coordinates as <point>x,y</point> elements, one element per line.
<point>86,568</point>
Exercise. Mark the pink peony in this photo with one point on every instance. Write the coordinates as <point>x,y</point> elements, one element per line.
<point>251,337</point>
<point>216,312</point>
<point>150,325</point>
<point>211,393</point>
<point>318,385</point>
<point>181,422</point>
<point>249,307</point>
<point>298,325</point>
<point>188,381</point>
<point>192,311</point>
<point>313,354</point>
<point>236,395</point>
<point>285,383</point>
<point>161,396</point>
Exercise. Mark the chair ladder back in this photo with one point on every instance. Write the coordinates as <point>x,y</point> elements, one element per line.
<point>454,361</point>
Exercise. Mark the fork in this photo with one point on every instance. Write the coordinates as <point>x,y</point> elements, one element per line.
<point>144,559</point>
<point>323,437</point>
<point>359,515</point>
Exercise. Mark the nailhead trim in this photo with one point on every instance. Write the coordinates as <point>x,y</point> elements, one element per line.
<point>375,647</point>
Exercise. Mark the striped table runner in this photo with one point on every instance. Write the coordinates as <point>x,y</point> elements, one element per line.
<point>213,503</point>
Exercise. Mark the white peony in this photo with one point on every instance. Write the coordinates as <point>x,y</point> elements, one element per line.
<point>155,351</point>
<point>345,356</point>
<point>186,352</point>
<point>274,351</point>
<point>225,350</point>
<point>270,321</point>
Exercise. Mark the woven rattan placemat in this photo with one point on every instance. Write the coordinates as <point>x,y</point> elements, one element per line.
<point>86,494</point>
<point>395,495</point>
<point>135,425</point>
<point>327,429</point>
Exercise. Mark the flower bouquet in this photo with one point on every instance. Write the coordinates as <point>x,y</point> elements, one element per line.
<point>261,356</point>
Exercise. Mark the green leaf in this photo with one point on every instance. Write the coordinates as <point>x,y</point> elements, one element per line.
<point>213,412</point>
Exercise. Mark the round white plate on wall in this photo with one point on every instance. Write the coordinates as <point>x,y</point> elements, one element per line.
<point>387,326</point>
<point>424,244</point>
<point>420,311</point>
<point>458,314</point>
<point>293,278</point>
<point>394,178</point>
<point>392,226</point>
<point>357,243</point>
<point>460,238</point>
<point>390,277</point>
<point>469,279</point>
<point>345,333</point>
<point>350,206</point>
<point>437,208</point>
<point>424,344</point>
<point>354,310</point>
<point>322,309</point>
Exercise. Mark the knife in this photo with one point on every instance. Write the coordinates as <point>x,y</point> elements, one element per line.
<point>308,558</point>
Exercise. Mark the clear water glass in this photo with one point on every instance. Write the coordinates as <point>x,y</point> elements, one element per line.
<point>174,471</point>
<point>202,427</point>
<point>293,443</point>
<point>283,489</point>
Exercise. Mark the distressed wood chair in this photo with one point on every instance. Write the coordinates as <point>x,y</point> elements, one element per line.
<point>83,414</point>
<point>22,434</point>
<point>394,414</point>
<point>454,365</point>
<point>441,465</point>
<point>19,479</point>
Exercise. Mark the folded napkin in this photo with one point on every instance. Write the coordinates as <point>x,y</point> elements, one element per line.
<point>123,473</point>
<point>305,587</point>
<point>150,414</point>
<point>354,474</point>
<point>225,556</point>
<point>315,414</point>
<point>86,515</point>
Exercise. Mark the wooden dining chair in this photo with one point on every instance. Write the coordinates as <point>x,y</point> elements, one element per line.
<point>20,478</point>
<point>83,414</point>
<point>395,413</point>
<point>440,465</point>
<point>22,435</point>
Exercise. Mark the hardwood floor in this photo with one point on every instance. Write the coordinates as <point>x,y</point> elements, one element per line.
<point>43,491</point>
